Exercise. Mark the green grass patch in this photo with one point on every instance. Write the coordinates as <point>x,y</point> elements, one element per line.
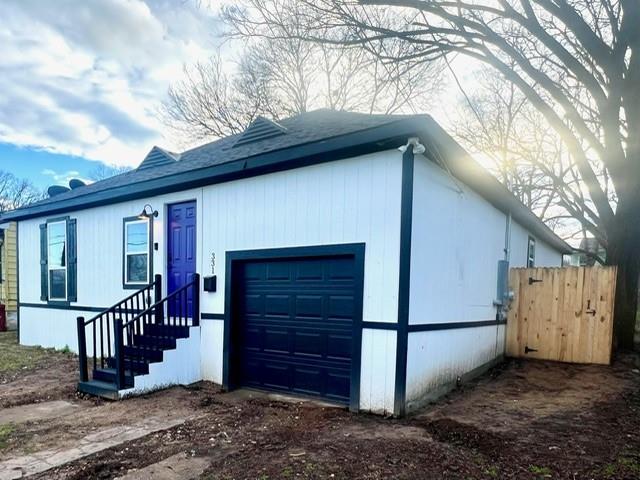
<point>544,471</point>
<point>5,431</point>
<point>492,471</point>
<point>16,358</point>
<point>624,466</point>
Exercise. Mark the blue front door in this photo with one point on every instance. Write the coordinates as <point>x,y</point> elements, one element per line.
<point>181,255</point>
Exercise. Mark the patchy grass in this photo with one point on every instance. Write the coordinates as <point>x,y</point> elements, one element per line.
<point>627,465</point>
<point>492,471</point>
<point>5,431</point>
<point>542,471</point>
<point>15,358</point>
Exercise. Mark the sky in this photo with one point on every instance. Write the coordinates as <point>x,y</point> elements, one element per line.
<point>81,82</point>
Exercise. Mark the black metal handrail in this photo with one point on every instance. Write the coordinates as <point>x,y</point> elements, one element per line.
<point>103,325</point>
<point>172,310</point>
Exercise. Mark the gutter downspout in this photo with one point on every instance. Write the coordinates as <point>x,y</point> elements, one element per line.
<point>507,239</point>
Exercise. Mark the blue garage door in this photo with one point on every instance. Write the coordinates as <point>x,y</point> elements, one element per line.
<point>295,320</point>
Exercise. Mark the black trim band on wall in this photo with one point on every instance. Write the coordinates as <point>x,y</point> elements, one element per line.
<point>429,327</point>
<point>380,325</point>
<point>80,308</point>
<point>77,308</point>
<point>404,280</point>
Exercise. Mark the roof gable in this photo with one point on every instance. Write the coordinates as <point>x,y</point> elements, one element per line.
<point>156,157</point>
<point>260,129</point>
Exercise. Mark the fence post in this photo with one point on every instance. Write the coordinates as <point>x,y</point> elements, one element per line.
<point>82,350</point>
<point>157,295</point>
<point>196,299</point>
<point>119,354</point>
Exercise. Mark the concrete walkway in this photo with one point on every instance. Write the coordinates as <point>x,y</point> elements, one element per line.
<point>177,467</point>
<point>37,411</point>
<point>44,460</point>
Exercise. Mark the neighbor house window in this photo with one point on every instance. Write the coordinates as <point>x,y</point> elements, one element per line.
<point>531,252</point>
<point>137,253</point>
<point>57,260</point>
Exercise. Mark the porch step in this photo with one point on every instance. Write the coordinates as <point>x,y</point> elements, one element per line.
<point>146,352</point>
<point>99,388</point>
<point>158,341</point>
<point>108,375</point>
<point>174,331</point>
<point>139,366</point>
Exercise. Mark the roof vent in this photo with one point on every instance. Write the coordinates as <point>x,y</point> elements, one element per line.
<point>260,129</point>
<point>54,190</point>
<point>76,183</point>
<point>157,157</point>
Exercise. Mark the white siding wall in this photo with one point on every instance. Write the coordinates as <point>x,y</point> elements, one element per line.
<point>546,256</point>
<point>457,240</point>
<point>100,244</point>
<point>354,200</point>
<point>378,373</point>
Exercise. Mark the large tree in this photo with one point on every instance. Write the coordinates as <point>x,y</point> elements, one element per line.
<point>281,74</point>
<point>576,61</point>
<point>497,124</point>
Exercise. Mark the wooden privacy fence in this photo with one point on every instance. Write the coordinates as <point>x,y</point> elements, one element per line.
<point>563,314</point>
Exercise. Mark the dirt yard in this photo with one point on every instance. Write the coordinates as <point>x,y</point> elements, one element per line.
<point>523,420</point>
<point>34,374</point>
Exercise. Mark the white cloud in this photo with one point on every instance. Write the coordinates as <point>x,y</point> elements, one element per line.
<point>85,78</point>
<point>64,177</point>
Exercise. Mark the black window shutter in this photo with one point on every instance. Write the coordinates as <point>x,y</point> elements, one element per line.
<point>72,261</point>
<point>44,290</point>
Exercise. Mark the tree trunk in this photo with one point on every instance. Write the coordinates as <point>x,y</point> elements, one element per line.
<point>624,251</point>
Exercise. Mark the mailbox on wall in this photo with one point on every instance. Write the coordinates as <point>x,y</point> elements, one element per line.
<point>210,283</point>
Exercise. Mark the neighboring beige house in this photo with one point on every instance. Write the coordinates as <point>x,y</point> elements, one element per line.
<point>8,272</point>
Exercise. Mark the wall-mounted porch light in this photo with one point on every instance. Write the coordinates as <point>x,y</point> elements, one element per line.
<point>147,212</point>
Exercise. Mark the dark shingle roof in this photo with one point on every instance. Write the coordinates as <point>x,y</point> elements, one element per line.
<point>304,128</point>
<point>313,137</point>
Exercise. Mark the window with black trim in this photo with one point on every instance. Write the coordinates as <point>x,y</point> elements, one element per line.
<point>137,252</point>
<point>58,260</point>
<point>531,252</point>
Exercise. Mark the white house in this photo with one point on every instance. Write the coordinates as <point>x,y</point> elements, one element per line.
<point>357,258</point>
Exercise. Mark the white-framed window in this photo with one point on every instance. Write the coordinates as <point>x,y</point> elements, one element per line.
<point>531,252</point>
<point>57,276</point>
<point>137,264</point>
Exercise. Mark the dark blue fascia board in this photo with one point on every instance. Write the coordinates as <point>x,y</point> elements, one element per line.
<point>337,148</point>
